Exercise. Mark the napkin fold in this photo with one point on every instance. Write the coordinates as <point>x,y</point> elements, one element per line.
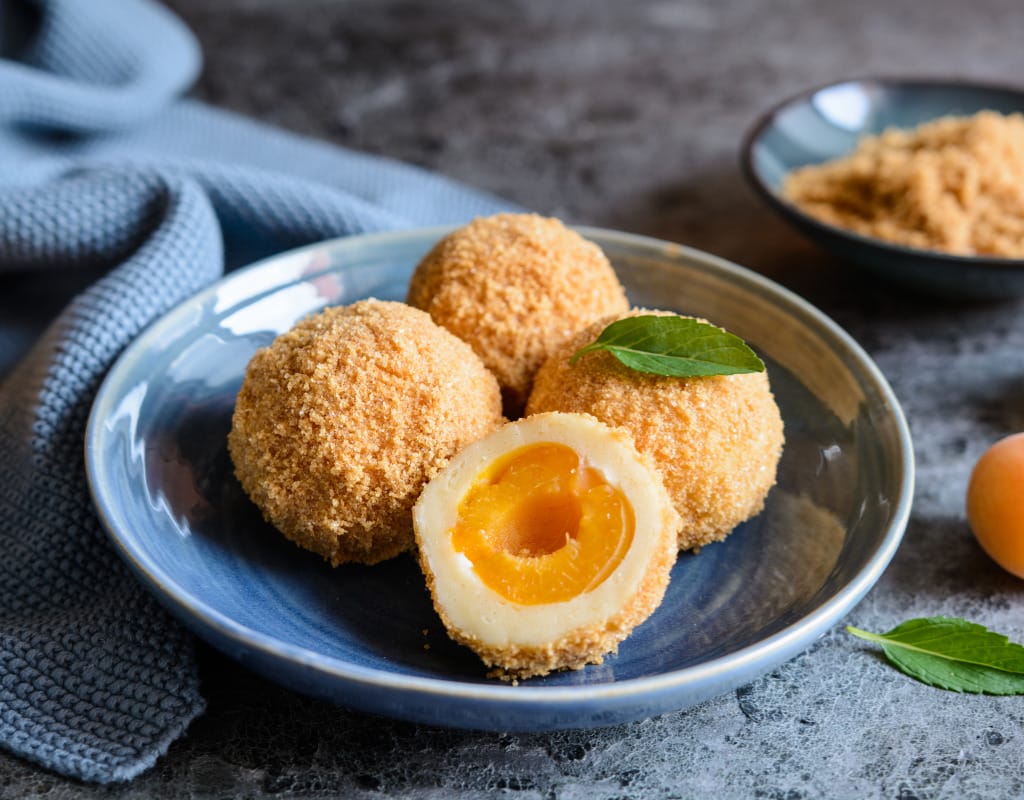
<point>117,201</point>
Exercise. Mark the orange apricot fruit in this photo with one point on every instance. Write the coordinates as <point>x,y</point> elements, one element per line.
<point>995,503</point>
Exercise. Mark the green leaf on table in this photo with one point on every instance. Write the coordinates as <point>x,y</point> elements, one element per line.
<point>677,347</point>
<point>953,654</point>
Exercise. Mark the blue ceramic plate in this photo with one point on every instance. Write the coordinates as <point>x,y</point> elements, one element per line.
<point>163,485</point>
<point>826,123</point>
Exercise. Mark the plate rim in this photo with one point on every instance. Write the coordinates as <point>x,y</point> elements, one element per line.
<point>767,652</point>
<point>774,198</point>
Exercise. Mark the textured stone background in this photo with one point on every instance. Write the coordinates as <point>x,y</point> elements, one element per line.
<point>630,115</point>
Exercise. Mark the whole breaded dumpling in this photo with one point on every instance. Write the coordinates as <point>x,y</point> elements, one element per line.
<point>342,420</point>
<point>515,286</point>
<point>716,440</point>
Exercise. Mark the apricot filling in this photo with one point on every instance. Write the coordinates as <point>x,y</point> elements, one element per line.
<point>541,526</point>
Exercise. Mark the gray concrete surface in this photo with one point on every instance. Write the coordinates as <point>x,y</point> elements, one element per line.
<point>630,115</point>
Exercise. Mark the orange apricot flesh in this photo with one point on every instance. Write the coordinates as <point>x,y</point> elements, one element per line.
<point>995,503</point>
<point>541,526</point>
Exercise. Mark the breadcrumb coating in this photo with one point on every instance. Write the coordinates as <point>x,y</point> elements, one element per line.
<point>716,440</point>
<point>342,420</point>
<point>515,286</point>
<point>579,647</point>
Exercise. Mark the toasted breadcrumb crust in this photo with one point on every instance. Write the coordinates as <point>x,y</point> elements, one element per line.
<point>716,440</point>
<point>342,420</point>
<point>582,646</point>
<point>515,286</point>
<point>954,184</point>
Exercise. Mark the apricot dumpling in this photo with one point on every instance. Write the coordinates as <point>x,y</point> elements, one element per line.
<point>515,286</point>
<point>343,419</point>
<point>546,543</point>
<point>716,439</point>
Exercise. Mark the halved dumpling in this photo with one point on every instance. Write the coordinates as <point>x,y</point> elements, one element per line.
<point>545,543</point>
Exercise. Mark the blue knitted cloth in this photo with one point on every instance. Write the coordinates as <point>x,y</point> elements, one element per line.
<point>117,201</point>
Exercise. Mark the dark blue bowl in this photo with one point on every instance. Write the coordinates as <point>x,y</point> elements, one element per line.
<point>827,122</point>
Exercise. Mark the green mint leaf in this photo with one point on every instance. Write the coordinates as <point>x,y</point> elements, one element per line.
<point>677,347</point>
<point>953,654</point>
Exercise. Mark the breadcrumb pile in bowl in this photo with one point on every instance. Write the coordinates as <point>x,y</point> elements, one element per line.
<point>954,185</point>
<point>917,182</point>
